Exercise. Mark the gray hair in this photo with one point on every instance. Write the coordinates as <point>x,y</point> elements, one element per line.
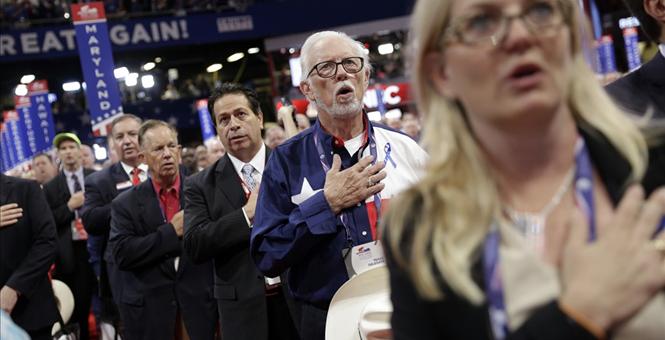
<point>316,37</point>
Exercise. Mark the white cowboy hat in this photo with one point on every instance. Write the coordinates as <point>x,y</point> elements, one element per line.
<point>361,308</point>
<point>65,301</point>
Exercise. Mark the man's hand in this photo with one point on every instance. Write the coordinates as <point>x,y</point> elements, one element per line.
<point>8,298</point>
<point>76,201</point>
<point>9,214</point>
<point>250,206</point>
<point>177,222</point>
<point>347,188</point>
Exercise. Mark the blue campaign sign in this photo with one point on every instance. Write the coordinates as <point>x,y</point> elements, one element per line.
<point>207,127</point>
<point>41,117</point>
<point>24,113</point>
<point>632,48</point>
<point>92,38</point>
<point>6,161</point>
<point>16,138</point>
<point>261,20</point>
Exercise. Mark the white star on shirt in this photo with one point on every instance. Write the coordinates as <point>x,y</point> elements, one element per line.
<point>305,193</point>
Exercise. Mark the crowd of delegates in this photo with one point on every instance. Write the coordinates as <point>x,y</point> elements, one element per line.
<point>537,212</point>
<point>16,11</point>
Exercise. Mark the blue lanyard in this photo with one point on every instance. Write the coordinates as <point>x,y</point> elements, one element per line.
<point>347,215</point>
<point>493,285</point>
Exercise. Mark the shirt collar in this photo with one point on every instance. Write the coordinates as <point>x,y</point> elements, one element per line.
<point>176,186</point>
<point>258,162</point>
<point>661,47</point>
<point>338,142</point>
<point>78,173</point>
<point>128,168</point>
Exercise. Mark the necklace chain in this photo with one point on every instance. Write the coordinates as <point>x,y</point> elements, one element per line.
<point>532,224</point>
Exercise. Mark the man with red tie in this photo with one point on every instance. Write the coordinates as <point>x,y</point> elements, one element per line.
<point>164,294</point>
<point>100,190</point>
<point>65,197</point>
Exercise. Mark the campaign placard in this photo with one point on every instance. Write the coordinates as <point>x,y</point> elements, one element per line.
<point>94,46</point>
<point>207,127</point>
<point>632,48</point>
<point>41,115</point>
<point>16,138</point>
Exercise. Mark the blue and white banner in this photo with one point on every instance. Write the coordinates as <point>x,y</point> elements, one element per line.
<point>207,127</point>
<point>41,117</point>
<point>92,38</point>
<point>201,28</point>
<point>22,106</point>
<point>632,49</point>
<point>5,163</point>
<point>16,138</point>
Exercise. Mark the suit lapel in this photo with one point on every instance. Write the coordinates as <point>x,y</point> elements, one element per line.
<point>150,211</point>
<point>118,175</point>
<point>654,70</point>
<point>7,187</point>
<point>228,183</point>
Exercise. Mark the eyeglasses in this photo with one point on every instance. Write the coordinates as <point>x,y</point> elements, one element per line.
<point>328,69</point>
<point>490,26</point>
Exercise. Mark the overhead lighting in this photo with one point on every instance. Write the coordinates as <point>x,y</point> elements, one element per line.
<point>121,72</point>
<point>386,49</point>
<point>21,90</point>
<point>132,79</point>
<point>235,57</point>
<point>27,79</point>
<point>149,66</point>
<point>253,50</point>
<point>147,81</point>
<point>158,60</point>
<point>66,15</point>
<point>71,86</point>
<point>292,50</point>
<point>213,68</point>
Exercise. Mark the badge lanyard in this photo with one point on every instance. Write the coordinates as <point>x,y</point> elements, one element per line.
<point>347,215</point>
<point>493,285</point>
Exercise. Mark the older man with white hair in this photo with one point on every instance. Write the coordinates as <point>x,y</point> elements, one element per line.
<point>323,190</point>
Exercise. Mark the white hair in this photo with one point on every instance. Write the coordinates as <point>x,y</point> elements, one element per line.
<point>316,37</point>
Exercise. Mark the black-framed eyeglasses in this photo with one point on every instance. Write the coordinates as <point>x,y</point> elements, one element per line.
<point>489,26</point>
<point>328,69</point>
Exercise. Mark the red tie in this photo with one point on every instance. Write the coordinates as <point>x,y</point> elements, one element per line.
<point>135,176</point>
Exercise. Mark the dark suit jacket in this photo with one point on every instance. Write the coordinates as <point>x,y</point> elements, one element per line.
<point>57,195</point>
<point>27,250</point>
<point>642,87</point>
<point>216,228</point>
<point>100,190</point>
<point>454,317</point>
<point>144,246</point>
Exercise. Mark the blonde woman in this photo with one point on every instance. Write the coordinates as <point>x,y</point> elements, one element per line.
<point>536,217</point>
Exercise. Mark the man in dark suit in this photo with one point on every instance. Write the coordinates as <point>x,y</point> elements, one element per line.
<point>161,288</point>
<point>64,194</point>
<point>27,250</point>
<point>219,210</point>
<point>100,190</point>
<point>644,89</point>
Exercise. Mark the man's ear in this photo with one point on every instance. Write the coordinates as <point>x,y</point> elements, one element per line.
<point>437,74</point>
<point>656,9</point>
<point>260,116</point>
<point>306,90</point>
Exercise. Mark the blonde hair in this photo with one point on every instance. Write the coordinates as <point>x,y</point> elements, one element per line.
<point>444,218</point>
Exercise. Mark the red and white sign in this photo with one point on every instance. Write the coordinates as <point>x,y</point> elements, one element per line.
<point>38,87</point>
<point>92,11</point>
<point>21,101</point>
